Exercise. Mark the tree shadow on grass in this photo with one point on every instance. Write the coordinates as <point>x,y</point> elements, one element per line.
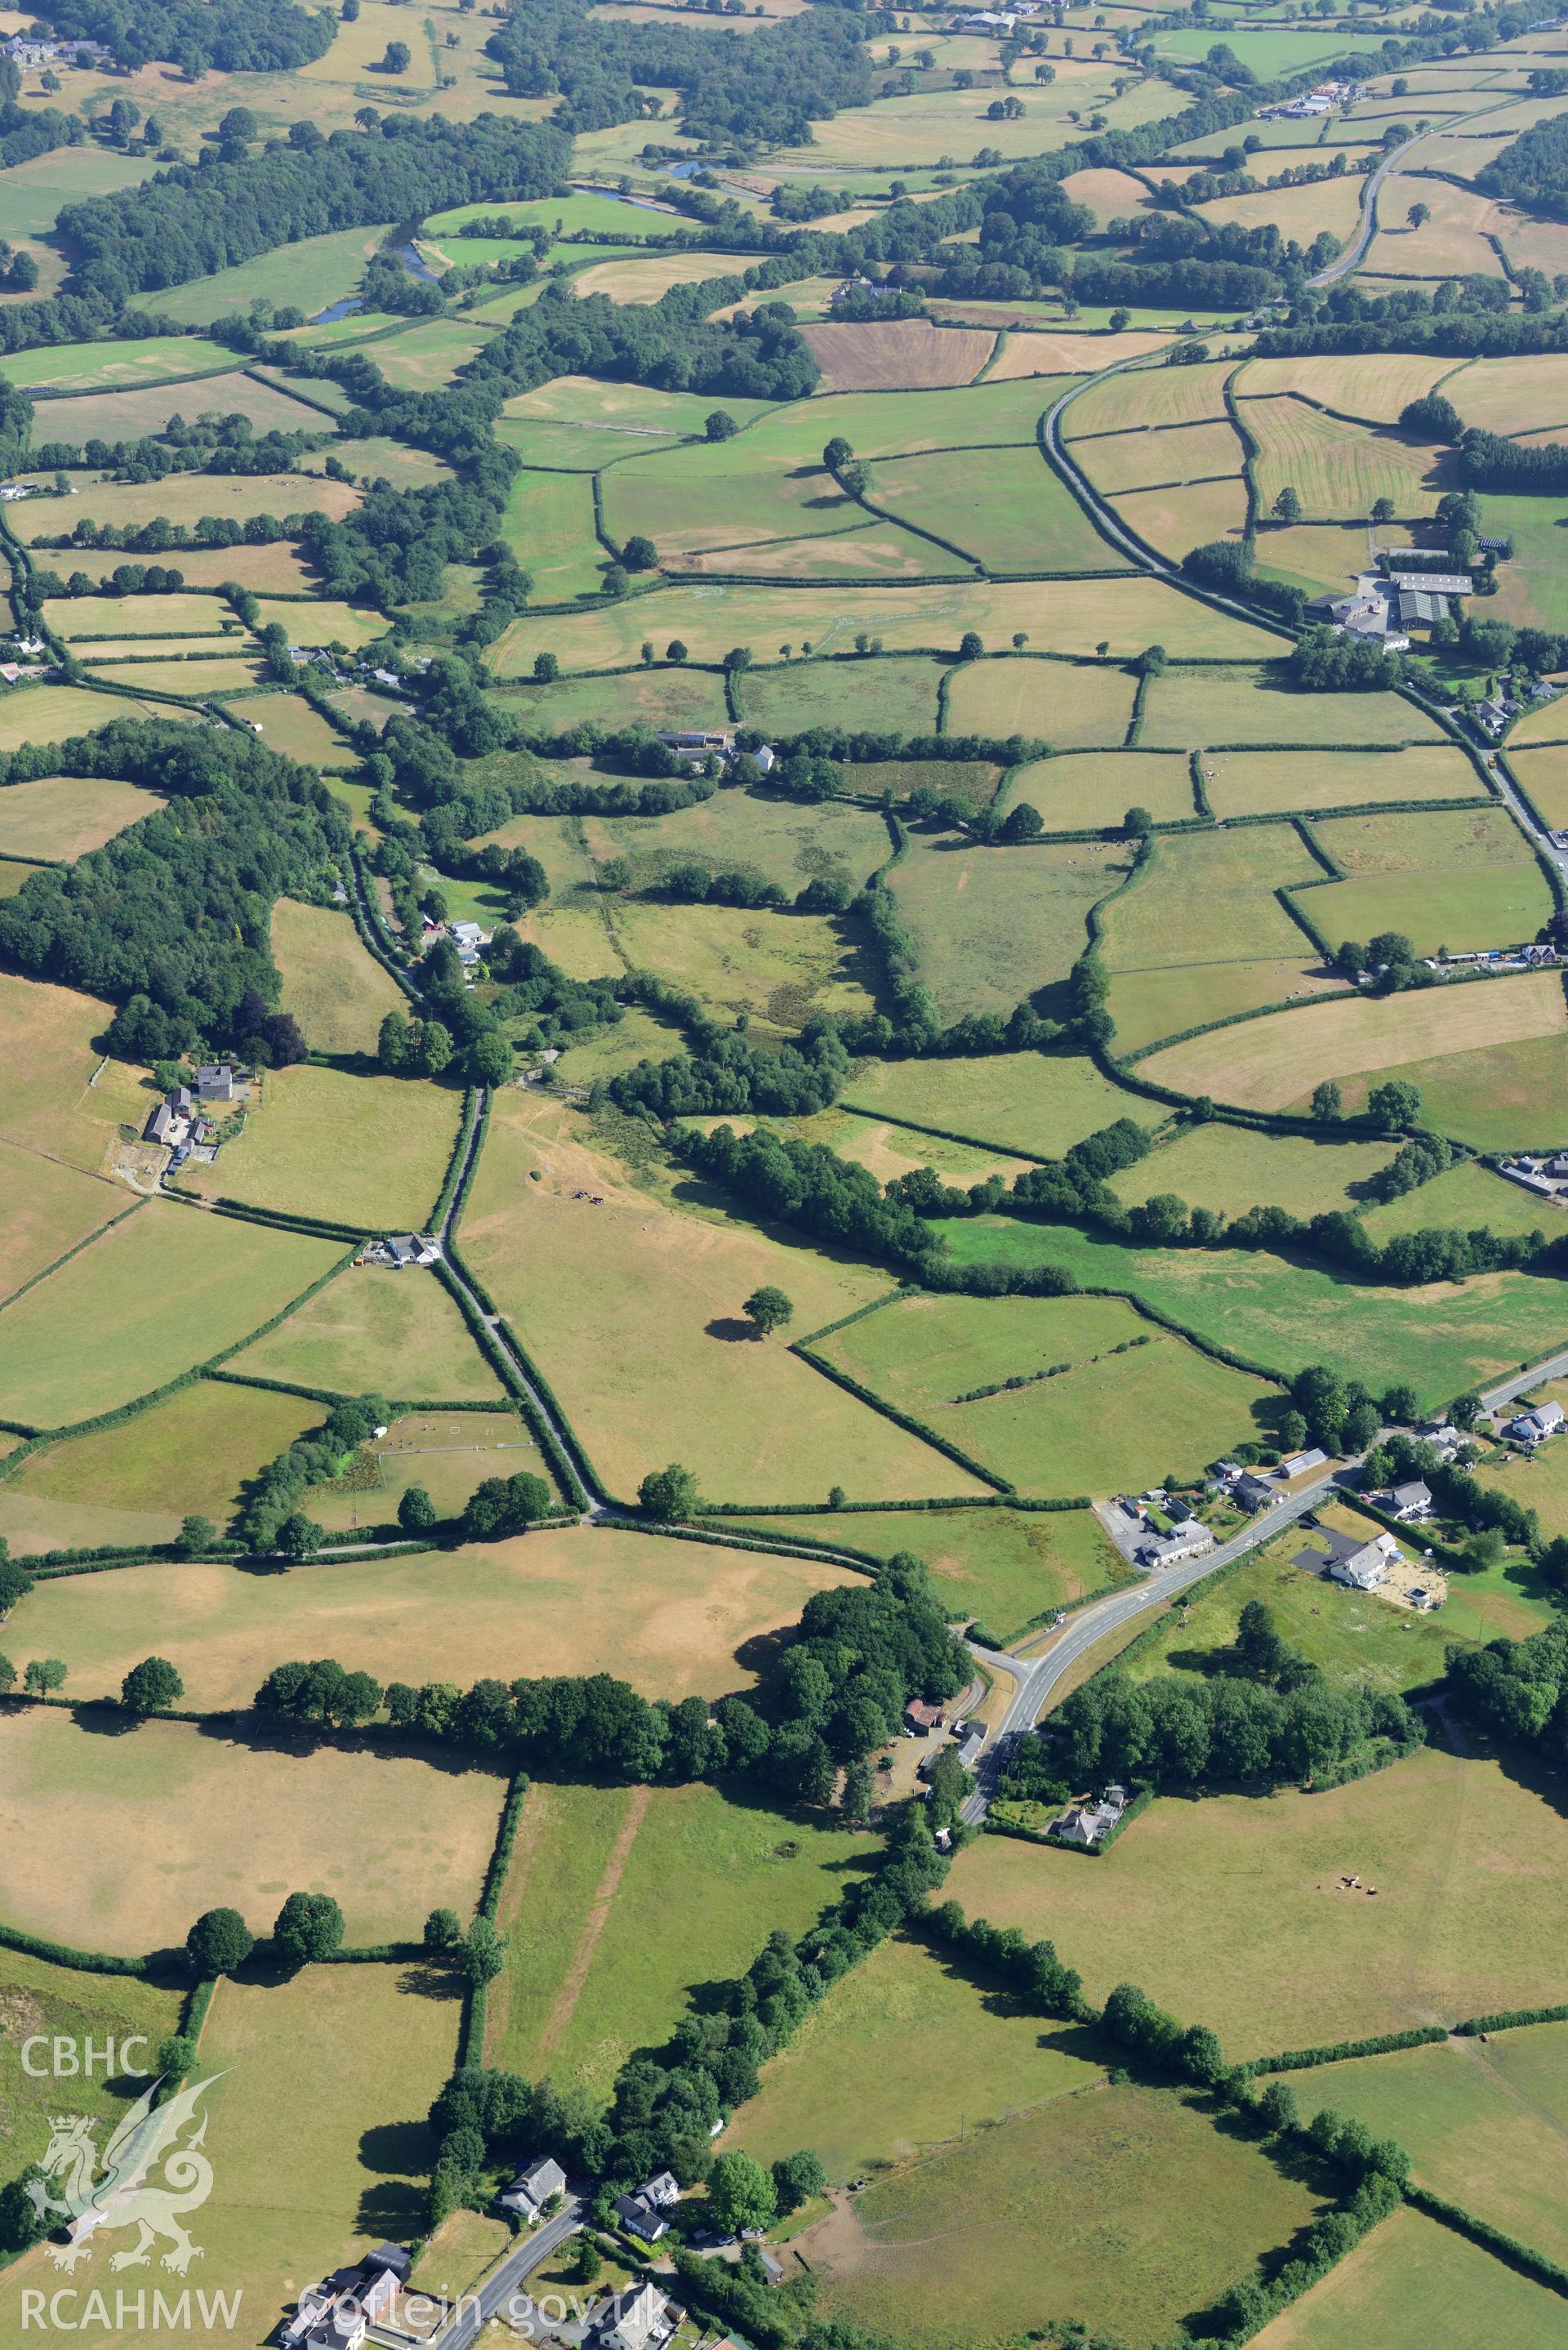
<point>428,1980</point>
<point>258,1736</point>
<point>731,1329</point>
<point>101,1718</point>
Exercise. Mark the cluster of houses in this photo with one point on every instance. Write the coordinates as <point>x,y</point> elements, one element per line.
<point>1383,606</point>
<point>1501,709</point>
<point>470,939</point>
<point>924,1720</point>
<point>32,49</point>
<point>1548,1178</point>
<point>638,2320</point>
<point>1163,1545</point>
<point>1322,99</point>
<point>180,1121</point>
<point>697,746</point>
<point>1245,1489</point>
<point>348,669</point>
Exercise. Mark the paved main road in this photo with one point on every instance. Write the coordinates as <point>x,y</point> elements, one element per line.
<point>1035,1677</point>
<point>532,2250</point>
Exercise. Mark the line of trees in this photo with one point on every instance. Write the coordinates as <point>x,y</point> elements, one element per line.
<point>269,1517</point>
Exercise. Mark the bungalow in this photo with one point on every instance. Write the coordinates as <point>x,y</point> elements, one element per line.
<point>1360,1565</point>
<point>642,2321</point>
<point>1087,1822</point>
<point>1534,1424</point>
<point>405,1249</point>
<point>338,2313</point>
<point>533,2188</point>
<point>1408,1503</point>
<point>642,2219</point>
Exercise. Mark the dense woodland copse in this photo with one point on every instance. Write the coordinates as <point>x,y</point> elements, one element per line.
<point>194,219</point>
<point>671,343</point>
<point>772,84</point>
<point>170,920</point>
<point>235,35</point>
<point>1533,169</point>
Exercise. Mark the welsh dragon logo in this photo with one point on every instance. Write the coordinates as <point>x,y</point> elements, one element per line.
<point>118,2195</point>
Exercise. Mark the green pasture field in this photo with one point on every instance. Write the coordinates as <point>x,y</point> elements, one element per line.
<point>60,817</point>
<point>1487,1053</point>
<point>358,47</point>
<point>1194,708</point>
<point>549,526</point>
<point>1373,385</point>
<point>1255,783</point>
<point>949,2249</point>
<point>1272,51</point>
<point>53,713</point>
<point>1322,557</point>
<point>1003,507</point>
<point>38,1999</point>
<point>265,570</point>
<point>378,456</point>
<point>1467,1195</point>
<point>1532,594</point>
<point>1149,1004</point>
<point>1146,398</point>
<point>788,842</point>
<point>427,356</point>
<point>606,1051</point>
<point>234,1824</point>
<point>564,1600</point>
<point>396,1333</point>
<point>1144,458</point>
<point>1514,395</point>
<point>1116,1418</point>
<point>132,616</point>
<point>45,1207</point>
<point>1070,616</point>
<point>291,725</point>
<point>1070,707</point>
<point>572,927</point>
<point>1482,2122</point>
<point>335,990</point>
<point>108,366</point>
<point>1208,898</point>
<point>1233,1167</point>
<point>1356,1637</point>
<point>126,415</point>
<point>933,124</point>
<point>1215,1906</point>
<point>1096,788</point>
<point>1297,213</point>
<point>661,698</point>
<point>448,1454</point>
<point>314,273</point>
<point>1453,242</point>
<point>1412,2283</point>
<point>1338,468</point>
<point>1011,1101</point>
<point>194,1453</point>
<point>1544,773</point>
<point>1001,1567</point>
<point>1286,1314</point>
<point>900,695</point>
<point>580,209</point>
<point>1464,880</point>
<point>721,494</point>
<point>641,1324</point>
<point>973,781</point>
<point>887,1151</point>
<point>33,192</point>
<point>991,926</point>
<point>97,1332</point>
<point>645,277</point>
<point>317,1142</point>
<point>621,1900</point>
<point>907,2049</point>
<point>779,968</point>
